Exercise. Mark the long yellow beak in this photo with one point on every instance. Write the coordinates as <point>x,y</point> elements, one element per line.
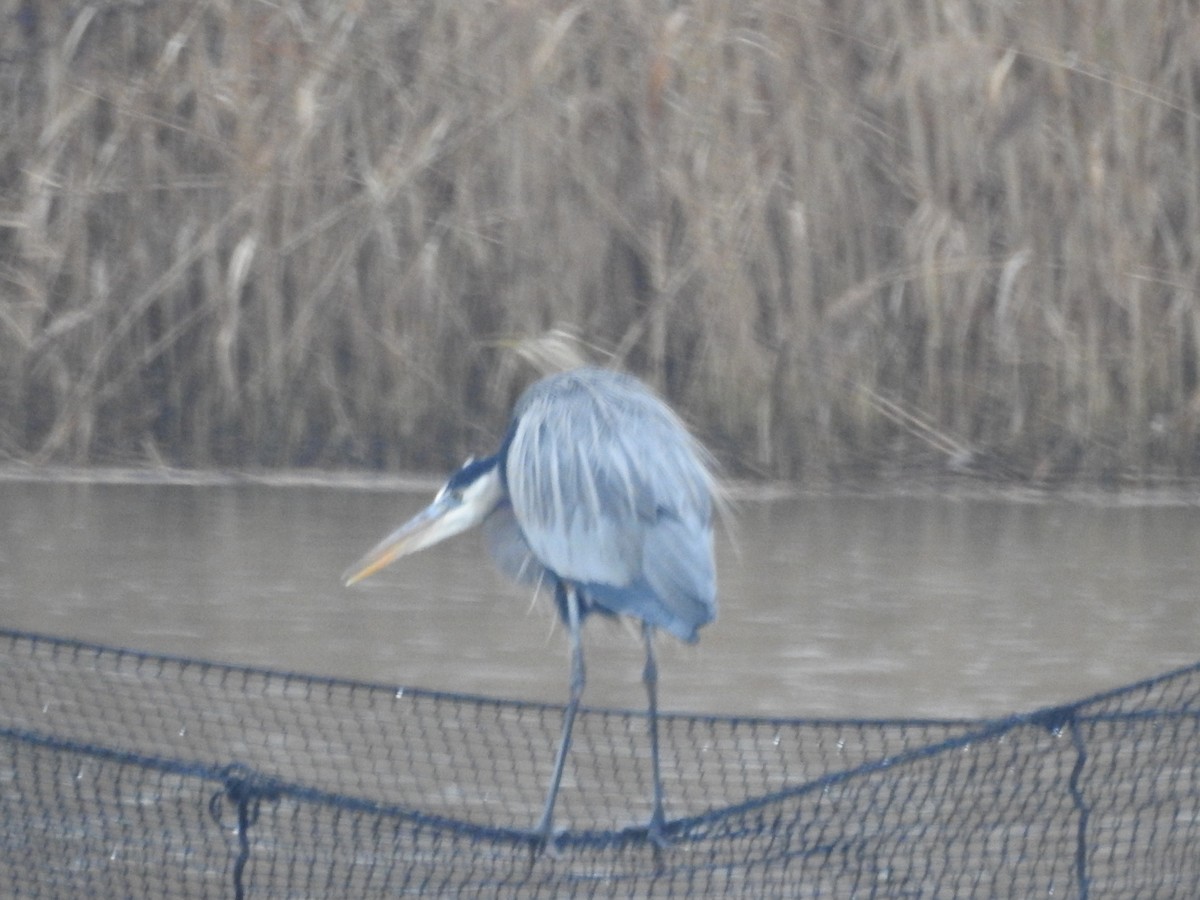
<point>464,501</point>
<point>435,523</point>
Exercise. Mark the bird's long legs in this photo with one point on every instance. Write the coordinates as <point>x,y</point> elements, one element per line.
<point>569,601</point>
<point>655,830</point>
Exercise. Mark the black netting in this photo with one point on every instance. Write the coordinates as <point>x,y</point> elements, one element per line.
<point>126,774</point>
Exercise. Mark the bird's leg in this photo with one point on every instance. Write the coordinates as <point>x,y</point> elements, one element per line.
<point>655,831</point>
<point>568,598</point>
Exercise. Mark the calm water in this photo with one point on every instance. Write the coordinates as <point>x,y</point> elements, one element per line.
<point>838,604</point>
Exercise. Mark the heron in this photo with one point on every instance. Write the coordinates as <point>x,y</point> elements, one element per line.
<point>599,492</point>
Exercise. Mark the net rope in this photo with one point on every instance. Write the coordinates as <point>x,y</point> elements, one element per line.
<point>131,774</point>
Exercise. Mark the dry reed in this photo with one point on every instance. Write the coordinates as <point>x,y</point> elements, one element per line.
<point>842,238</point>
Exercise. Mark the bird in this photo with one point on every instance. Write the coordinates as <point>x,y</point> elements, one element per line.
<point>599,492</point>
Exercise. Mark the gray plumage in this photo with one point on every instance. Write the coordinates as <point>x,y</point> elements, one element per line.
<point>607,489</point>
<point>600,493</point>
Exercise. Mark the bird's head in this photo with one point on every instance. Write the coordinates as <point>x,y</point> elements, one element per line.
<point>464,501</point>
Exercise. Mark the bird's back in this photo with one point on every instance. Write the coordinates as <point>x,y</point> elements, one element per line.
<point>611,493</point>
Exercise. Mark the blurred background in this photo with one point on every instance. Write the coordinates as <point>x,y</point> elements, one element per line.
<point>934,265</point>
<point>838,236</point>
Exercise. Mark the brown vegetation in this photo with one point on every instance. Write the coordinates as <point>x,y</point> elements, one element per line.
<point>839,236</point>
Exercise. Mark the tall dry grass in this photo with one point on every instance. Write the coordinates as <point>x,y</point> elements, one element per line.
<point>840,237</point>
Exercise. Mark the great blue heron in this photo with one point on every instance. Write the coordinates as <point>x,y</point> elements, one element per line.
<point>598,490</point>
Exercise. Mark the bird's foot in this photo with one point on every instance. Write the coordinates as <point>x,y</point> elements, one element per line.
<point>542,840</point>
<point>658,838</point>
<point>656,834</point>
<point>656,831</point>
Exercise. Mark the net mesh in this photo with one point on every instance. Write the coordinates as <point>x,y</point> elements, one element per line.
<point>135,775</point>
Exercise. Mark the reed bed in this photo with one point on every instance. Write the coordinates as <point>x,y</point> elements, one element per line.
<point>843,238</point>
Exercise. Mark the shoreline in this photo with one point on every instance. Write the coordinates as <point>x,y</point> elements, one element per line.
<point>917,485</point>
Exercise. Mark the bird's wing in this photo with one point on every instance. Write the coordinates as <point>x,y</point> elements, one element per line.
<point>574,495</point>
<point>679,568</point>
<point>508,548</point>
<point>677,590</point>
<point>609,491</point>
